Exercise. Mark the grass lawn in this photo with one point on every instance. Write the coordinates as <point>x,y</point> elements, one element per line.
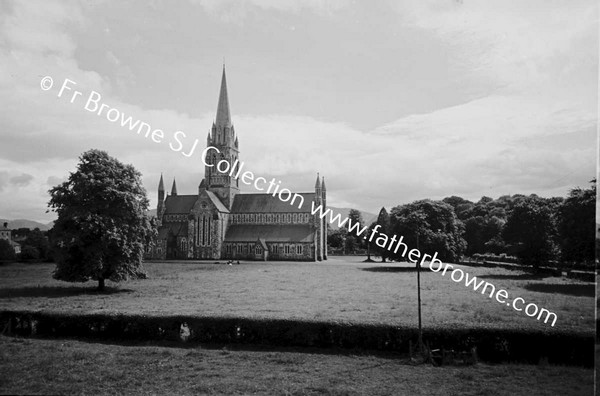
<point>35,366</point>
<point>339,289</point>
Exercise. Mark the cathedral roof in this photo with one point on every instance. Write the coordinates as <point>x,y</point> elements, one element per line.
<point>217,202</point>
<point>180,204</point>
<point>269,233</point>
<point>223,114</point>
<point>266,203</point>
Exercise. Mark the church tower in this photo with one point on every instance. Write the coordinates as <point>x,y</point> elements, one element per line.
<point>222,136</point>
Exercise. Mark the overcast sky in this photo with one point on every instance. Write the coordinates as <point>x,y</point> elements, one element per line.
<point>391,101</point>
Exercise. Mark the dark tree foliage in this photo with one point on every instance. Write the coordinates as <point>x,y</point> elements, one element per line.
<point>383,220</point>
<point>455,202</point>
<point>29,252</point>
<point>430,226</point>
<point>353,241</point>
<point>531,230</point>
<point>7,253</point>
<point>39,241</point>
<point>22,232</point>
<point>479,231</point>
<point>102,226</point>
<point>335,238</point>
<point>577,225</point>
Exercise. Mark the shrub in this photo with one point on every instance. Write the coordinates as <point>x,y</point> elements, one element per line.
<point>29,253</point>
<point>7,253</point>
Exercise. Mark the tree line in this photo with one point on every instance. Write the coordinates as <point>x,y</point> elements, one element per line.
<point>537,231</point>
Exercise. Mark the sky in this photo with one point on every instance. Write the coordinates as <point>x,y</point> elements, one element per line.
<point>391,101</point>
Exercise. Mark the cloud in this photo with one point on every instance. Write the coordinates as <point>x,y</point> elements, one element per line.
<point>3,180</point>
<point>530,132</point>
<point>232,11</point>
<point>512,42</point>
<point>52,181</point>
<point>22,180</point>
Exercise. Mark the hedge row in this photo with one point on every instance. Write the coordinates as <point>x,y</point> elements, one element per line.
<point>492,345</point>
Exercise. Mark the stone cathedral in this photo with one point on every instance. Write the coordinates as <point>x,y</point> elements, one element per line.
<point>221,223</point>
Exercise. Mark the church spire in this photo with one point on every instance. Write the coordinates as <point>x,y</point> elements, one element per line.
<point>223,114</point>
<point>174,188</point>
<point>161,184</point>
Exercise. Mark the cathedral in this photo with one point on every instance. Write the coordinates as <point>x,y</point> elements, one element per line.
<point>221,223</point>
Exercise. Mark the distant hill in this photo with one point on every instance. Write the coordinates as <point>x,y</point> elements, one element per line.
<point>22,223</point>
<point>368,218</point>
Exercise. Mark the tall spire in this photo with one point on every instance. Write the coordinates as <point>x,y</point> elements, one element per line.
<point>223,114</point>
<point>161,185</point>
<point>174,188</point>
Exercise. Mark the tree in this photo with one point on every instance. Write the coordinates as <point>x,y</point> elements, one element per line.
<point>102,226</point>
<point>29,253</point>
<point>353,240</point>
<point>430,225</point>
<point>479,231</point>
<point>531,230</point>
<point>7,253</point>
<point>576,225</point>
<point>38,240</point>
<point>22,232</point>
<point>335,238</point>
<point>383,220</point>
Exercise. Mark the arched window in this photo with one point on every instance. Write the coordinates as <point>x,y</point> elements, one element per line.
<point>295,218</point>
<point>257,249</point>
<point>299,249</point>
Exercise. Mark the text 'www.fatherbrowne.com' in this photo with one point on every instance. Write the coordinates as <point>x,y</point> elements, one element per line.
<point>396,245</point>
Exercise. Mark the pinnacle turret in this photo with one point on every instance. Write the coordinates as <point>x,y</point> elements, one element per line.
<point>161,184</point>
<point>174,188</point>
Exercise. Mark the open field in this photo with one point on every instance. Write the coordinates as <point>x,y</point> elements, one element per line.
<point>343,290</point>
<point>72,367</point>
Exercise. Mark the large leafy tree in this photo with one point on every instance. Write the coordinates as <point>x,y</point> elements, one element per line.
<point>430,226</point>
<point>531,230</point>
<point>479,231</point>
<point>102,226</point>
<point>576,225</point>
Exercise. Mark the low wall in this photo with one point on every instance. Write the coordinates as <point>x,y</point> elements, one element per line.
<point>493,345</point>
